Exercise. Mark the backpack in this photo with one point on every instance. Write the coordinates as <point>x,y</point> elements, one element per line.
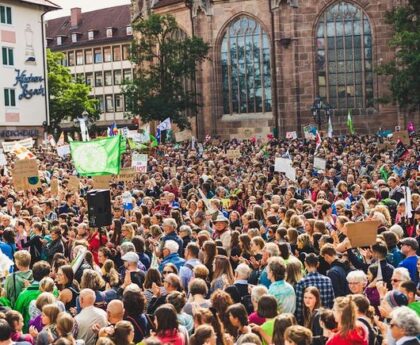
<point>375,337</point>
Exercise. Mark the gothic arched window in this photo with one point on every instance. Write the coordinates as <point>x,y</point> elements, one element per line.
<point>246,70</point>
<point>344,57</point>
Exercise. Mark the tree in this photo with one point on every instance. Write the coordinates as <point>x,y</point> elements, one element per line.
<point>68,99</point>
<point>404,69</point>
<point>165,61</point>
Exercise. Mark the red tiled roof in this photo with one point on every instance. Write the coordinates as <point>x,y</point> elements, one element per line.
<point>118,17</point>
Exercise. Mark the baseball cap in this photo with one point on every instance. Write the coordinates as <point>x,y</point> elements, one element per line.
<point>130,257</point>
<point>409,241</point>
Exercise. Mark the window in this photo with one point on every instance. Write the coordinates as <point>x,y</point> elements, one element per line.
<point>101,104</point>
<point>98,79</point>
<point>119,104</point>
<point>107,54</point>
<point>108,78</point>
<point>91,35</point>
<point>5,15</point>
<point>9,98</point>
<point>344,58</point>
<point>129,30</point>
<point>109,103</point>
<point>246,69</point>
<point>127,74</point>
<point>74,38</point>
<point>117,77</point>
<point>89,79</point>
<point>64,61</point>
<point>8,57</point>
<point>98,55</point>
<point>116,52</point>
<point>79,57</point>
<point>88,56</point>
<point>71,58</point>
<point>126,52</point>
<point>59,40</point>
<point>109,32</point>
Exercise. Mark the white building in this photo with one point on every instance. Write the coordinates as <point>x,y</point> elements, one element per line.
<point>23,96</point>
<point>96,46</point>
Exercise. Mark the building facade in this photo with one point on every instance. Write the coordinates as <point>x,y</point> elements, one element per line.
<point>270,59</point>
<point>23,96</point>
<point>96,47</point>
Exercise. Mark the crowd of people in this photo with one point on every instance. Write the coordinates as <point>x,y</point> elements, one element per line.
<point>215,250</point>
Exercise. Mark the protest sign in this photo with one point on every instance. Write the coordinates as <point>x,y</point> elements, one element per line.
<point>25,174</point>
<point>74,184</point>
<point>291,135</point>
<point>3,160</point>
<point>139,162</point>
<point>64,150</point>
<point>22,152</point>
<point>320,163</point>
<point>101,181</point>
<point>291,173</point>
<point>183,135</point>
<point>233,154</point>
<point>401,135</point>
<point>282,164</point>
<point>8,146</point>
<point>127,175</point>
<point>54,187</point>
<point>362,234</point>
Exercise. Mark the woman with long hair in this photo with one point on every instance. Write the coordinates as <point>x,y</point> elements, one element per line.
<point>134,305</point>
<point>208,316</point>
<point>311,305</point>
<point>281,323</point>
<point>220,301</point>
<point>222,273</point>
<point>64,327</point>
<point>245,246</point>
<point>68,290</point>
<point>166,325</point>
<point>350,331</point>
<point>209,254</point>
<point>204,335</point>
<point>238,318</point>
<point>116,233</point>
<point>153,276</point>
<point>123,333</point>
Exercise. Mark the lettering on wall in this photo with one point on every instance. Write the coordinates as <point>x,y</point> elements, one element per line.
<point>25,81</point>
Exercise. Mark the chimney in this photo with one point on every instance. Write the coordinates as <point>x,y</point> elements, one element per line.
<point>76,17</point>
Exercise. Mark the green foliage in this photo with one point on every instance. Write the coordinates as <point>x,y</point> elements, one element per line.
<point>166,60</point>
<point>404,69</point>
<point>67,99</point>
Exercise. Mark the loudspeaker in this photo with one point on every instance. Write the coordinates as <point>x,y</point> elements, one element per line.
<point>99,208</point>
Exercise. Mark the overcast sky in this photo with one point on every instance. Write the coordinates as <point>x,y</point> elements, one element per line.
<point>85,5</point>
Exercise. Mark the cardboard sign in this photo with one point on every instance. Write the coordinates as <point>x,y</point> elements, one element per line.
<point>183,136</point>
<point>25,174</point>
<point>127,175</point>
<point>101,182</point>
<point>320,163</point>
<point>139,162</point>
<point>362,234</point>
<point>401,135</point>
<point>282,164</point>
<point>74,184</point>
<point>54,187</point>
<point>233,154</point>
<point>64,150</point>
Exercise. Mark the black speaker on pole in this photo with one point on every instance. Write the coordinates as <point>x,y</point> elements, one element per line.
<point>99,208</point>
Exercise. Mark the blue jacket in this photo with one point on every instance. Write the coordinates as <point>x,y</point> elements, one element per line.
<point>172,259</point>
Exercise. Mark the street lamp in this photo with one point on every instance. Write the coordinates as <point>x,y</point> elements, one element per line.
<point>317,107</point>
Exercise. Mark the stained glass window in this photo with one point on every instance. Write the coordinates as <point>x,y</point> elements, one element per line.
<point>344,57</point>
<point>246,69</point>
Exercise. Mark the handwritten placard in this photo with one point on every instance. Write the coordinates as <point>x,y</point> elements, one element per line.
<point>183,135</point>
<point>101,182</point>
<point>233,154</point>
<point>127,175</point>
<point>74,184</point>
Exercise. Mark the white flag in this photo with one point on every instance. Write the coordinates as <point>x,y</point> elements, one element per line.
<point>165,125</point>
<point>330,129</point>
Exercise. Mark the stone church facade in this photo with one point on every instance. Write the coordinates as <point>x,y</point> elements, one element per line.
<point>270,59</point>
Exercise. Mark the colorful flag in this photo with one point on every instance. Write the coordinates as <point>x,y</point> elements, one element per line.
<point>318,141</point>
<point>165,125</point>
<point>350,123</point>
<point>153,141</point>
<point>112,130</point>
<point>97,157</point>
<point>330,128</point>
<point>410,128</point>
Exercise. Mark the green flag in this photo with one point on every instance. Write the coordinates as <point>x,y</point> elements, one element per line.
<point>97,157</point>
<point>136,146</point>
<point>123,144</point>
<point>153,141</point>
<point>350,123</point>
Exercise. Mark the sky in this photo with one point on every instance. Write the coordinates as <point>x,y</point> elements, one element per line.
<point>85,5</point>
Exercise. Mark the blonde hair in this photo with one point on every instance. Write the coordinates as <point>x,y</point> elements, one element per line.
<point>108,269</point>
<point>130,230</point>
<point>384,210</point>
<point>23,258</point>
<point>346,307</point>
<point>294,269</point>
<point>46,284</point>
<point>44,299</point>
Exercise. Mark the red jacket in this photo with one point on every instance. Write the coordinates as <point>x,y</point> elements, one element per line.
<point>95,244</point>
<point>358,336</point>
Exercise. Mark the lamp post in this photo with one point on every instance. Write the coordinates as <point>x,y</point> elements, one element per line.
<point>317,108</point>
